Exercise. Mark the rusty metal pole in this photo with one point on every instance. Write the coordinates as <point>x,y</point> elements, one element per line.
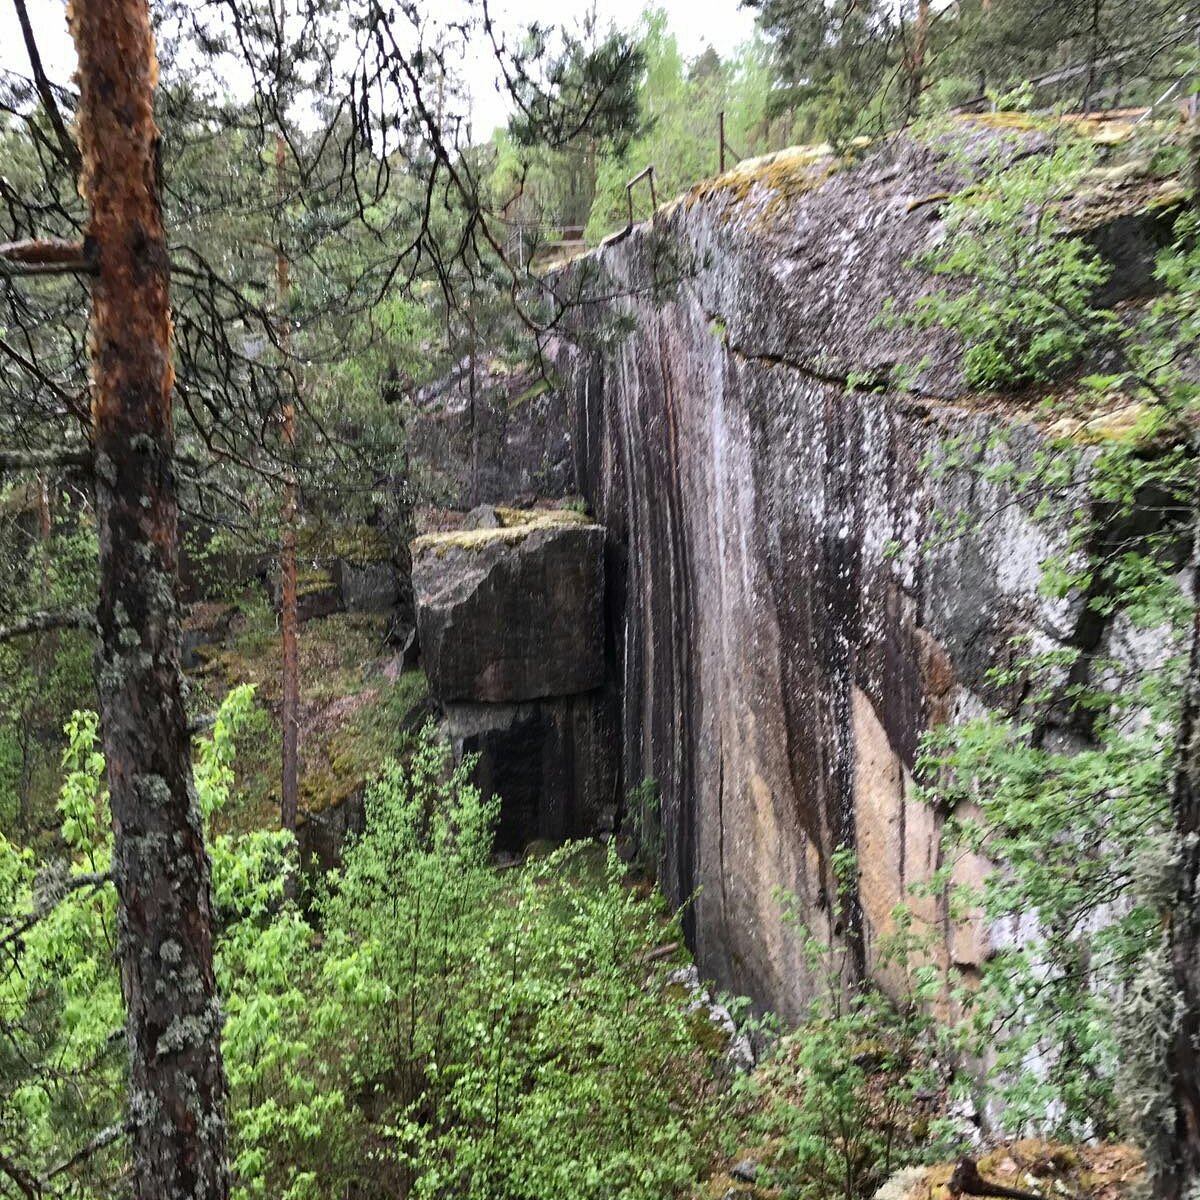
<point>721,142</point>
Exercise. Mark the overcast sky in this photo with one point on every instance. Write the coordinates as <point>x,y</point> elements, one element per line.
<point>696,23</point>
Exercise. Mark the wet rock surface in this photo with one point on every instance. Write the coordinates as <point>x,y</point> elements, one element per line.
<point>552,762</point>
<point>490,431</point>
<point>510,613</point>
<point>782,638</point>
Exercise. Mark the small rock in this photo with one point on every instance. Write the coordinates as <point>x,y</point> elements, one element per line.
<point>745,1171</point>
<point>687,977</point>
<point>740,1054</point>
<point>963,1118</point>
<point>906,1184</point>
<point>482,517</point>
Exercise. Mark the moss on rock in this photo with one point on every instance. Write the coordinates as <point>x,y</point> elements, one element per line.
<point>515,526</point>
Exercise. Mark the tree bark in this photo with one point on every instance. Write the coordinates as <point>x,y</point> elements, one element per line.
<point>160,865</point>
<point>288,605</point>
<point>1178,1175</point>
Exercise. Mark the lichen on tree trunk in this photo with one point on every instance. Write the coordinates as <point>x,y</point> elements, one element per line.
<point>1179,1171</point>
<point>160,865</point>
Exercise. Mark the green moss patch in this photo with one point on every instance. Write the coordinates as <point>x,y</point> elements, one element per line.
<point>354,543</point>
<point>782,178</point>
<point>516,524</point>
<point>355,711</point>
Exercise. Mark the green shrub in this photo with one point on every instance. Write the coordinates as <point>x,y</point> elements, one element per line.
<point>434,1028</point>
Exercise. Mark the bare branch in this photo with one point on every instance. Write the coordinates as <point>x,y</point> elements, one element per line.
<point>105,1137</point>
<point>26,1183</point>
<point>59,891</point>
<point>45,256</point>
<point>38,460</point>
<point>45,91</point>
<point>44,622</point>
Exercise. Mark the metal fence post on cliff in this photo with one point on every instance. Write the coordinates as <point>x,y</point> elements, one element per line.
<point>646,173</point>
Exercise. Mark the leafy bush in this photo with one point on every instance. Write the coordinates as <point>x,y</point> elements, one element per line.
<point>1067,791</point>
<point>1022,289</point>
<point>434,1027</point>
<point>852,1094</point>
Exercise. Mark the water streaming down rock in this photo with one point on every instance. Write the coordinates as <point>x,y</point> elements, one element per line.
<point>784,635</point>
<point>779,631</point>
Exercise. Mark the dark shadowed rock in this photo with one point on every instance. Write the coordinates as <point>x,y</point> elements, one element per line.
<point>488,432</point>
<point>512,614</point>
<point>553,763</point>
<point>366,587</point>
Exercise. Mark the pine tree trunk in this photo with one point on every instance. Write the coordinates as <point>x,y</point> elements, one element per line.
<point>289,617</point>
<point>289,621</point>
<point>160,865</point>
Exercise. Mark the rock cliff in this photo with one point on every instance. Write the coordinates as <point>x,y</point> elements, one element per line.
<point>782,617</point>
<point>782,633</point>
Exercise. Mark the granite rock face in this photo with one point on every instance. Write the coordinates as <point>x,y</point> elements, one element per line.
<point>552,762</point>
<point>487,433</point>
<point>782,638</point>
<point>512,614</point>
<point>511,626</point>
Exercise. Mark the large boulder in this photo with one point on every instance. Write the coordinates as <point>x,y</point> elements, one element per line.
<point>515,613</point>
<point>553,763</point>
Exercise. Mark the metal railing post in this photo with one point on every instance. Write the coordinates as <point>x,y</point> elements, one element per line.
<point>646,173</point>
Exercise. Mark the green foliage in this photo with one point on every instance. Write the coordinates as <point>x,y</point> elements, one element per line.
<point>432,1032</point>
<point>845,70</point>
<point>1066,790</point>
<point>1023,289</point>
<point>44,677</point>
<point>61,1012</point>
<point>472,1016</point>
<point>680,104</point>
<point>644,806</point>
<point>847,1097</point>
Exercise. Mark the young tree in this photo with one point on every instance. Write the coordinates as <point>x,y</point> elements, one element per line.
<point>424,225</point>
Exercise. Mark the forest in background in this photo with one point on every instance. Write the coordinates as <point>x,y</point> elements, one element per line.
<point>336,242</point>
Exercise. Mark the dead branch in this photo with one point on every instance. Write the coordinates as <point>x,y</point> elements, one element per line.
<point>26,1183</point>
<point>45,256</point>
<point>61,889</point>
<point>38,460</point>
<point>105,1137</point>
<point>44,622</point>
<point>45,91</point>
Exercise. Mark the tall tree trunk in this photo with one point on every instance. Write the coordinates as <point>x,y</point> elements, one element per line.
<point>288,614</point>
<point>43,656</point>
<point>1178,1175</point>
<point>160,865</point>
